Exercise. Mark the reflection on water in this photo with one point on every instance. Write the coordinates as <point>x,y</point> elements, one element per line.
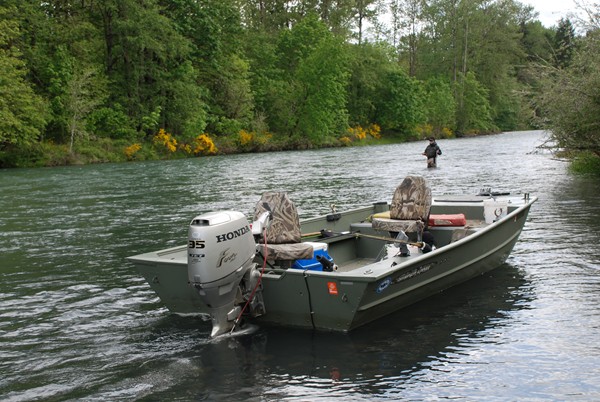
<point>77,322</point>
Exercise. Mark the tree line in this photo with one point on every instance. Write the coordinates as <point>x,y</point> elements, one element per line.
<point>137,79</point>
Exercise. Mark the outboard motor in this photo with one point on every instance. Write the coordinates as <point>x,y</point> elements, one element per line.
<point>221,249</point>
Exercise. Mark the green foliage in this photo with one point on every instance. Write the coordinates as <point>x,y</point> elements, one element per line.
<point>536,41</point>
<point>268,84</point>
<point>112,122</point>
<point>144,58</point>
<point>79,75</point>
<point>22,112</point>
<point>307,84</point>
<point>439,104</point>
<point>60,72</point>
<point>151,122</point>
<point>367,64</point>
<point>36,154</point>
<point>323,77</point>
<point>586,163</point>
<point>564,43</point>
<point>226,126</point>
<point>298,43</point>
<point>506,110</point>
<point>85,92</point>
<point>267,16</point>
<point>210,89</point>
<point>474,111</point>
<point>233,99</point>
<point>570,99</point>
<point>480,37</point>
<point>400,102</point>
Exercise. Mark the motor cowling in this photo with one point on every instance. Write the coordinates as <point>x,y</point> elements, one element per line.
<point>221,248</point>
<point>219,243</point>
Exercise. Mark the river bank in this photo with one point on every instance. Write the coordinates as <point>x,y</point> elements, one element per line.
<point>163,146</point>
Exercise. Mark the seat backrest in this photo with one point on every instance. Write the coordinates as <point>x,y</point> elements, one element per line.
<point>285,222</point>
<point>411,200</point>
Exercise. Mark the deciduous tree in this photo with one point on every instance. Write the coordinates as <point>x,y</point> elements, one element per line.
<point>22,112</point>
<point>570,98</point>
<point>399,102</point>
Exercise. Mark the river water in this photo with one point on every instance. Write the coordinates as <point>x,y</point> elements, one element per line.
<point>78,323</point>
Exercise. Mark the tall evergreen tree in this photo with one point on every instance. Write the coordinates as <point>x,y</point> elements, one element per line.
<point>564,43</point>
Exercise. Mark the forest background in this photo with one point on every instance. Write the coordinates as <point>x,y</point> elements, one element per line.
<point>85,81</point>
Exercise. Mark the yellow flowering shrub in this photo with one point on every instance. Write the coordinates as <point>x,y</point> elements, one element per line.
<point>165,139</point>
<point>427,130</point>
<point>246,137</point>
<point>187,148</point>
<point>251,139</point>
<point>424,130</point>
<point>263,138</point>
<point>359,133</point>
<point>447,133</point>
<point>131,150</point>
<point>345,140</point>
<point>204,145</point>
<point>374,131</point>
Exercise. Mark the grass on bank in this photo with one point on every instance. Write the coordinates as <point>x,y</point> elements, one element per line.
<point>586,163</point>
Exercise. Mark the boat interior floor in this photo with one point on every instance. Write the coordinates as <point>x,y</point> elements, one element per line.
<point>350,256</point>
<point>354,264</point>
<point>388,251</point>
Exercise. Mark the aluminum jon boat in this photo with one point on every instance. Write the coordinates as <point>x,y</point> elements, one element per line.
<point>338,271</point>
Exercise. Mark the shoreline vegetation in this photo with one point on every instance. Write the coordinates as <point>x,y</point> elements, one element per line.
<point>110,81</point>
<point>164,146</point>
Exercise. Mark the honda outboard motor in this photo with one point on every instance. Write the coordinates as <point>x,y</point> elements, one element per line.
<point>221,248</point>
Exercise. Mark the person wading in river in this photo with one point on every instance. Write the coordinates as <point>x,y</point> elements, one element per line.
<point>431,152</point>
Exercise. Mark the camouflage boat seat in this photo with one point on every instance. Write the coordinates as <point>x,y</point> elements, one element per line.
<point>283,235</point>
<point>409,208</point>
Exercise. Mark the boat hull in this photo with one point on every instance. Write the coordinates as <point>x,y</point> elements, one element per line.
<point>166,273</point>
<point>370,290</point>
<point>345,301</point>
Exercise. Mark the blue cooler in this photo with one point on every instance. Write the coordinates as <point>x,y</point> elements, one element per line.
<point>320,249</point>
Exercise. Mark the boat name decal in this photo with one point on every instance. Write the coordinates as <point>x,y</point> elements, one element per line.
<point>233,234</point>
<point>413,272</point>
<point>383,285</point>
<point>225,257</point>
